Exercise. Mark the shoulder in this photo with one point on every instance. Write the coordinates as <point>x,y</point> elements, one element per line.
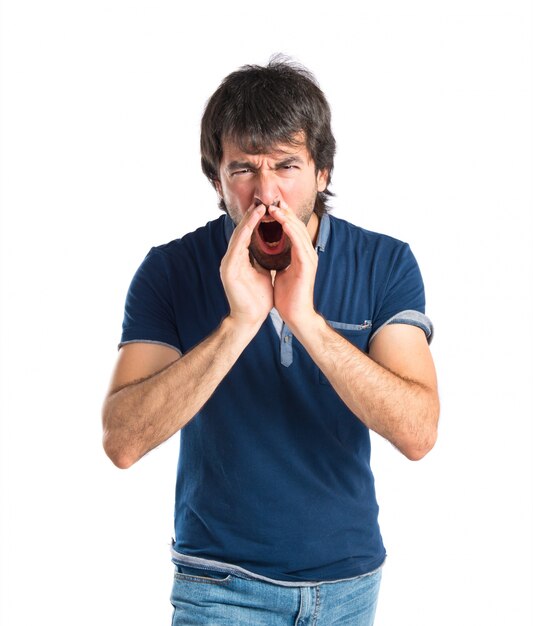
<point>364,243</point>
<point>172,262</point>
<point>384,262</point>
<point>211,233</point>
<point>204,246</point>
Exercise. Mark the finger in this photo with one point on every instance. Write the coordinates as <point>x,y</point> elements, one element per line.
<point>285,216</point>
<point>295,229</point>
<point>242,235</point>
<point>252,216</point>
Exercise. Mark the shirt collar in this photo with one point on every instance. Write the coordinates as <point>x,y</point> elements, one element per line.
<point>323,232</point>
<point>321,241</point>
<point>229,227</point>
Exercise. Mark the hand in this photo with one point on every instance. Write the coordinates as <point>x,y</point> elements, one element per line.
<point>294,286</point>
<point>248,289</point>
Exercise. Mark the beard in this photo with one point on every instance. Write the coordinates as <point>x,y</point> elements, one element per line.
<point>282,258</point>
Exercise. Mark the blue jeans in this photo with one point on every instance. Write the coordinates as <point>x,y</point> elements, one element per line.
<point>227,600</point>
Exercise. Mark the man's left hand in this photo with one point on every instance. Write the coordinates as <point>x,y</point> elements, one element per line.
<point>294,286</point>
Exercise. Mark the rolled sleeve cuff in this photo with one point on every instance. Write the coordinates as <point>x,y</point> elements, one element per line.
<point>159,343</point>
<point>413,318</point>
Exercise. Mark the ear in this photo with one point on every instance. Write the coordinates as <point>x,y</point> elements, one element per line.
<point>322,179</point>
<point>218,187</point>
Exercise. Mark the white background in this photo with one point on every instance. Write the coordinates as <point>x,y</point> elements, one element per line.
<point>100,110</point>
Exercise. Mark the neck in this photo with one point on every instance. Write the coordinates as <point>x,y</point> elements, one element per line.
<point>312,227</point>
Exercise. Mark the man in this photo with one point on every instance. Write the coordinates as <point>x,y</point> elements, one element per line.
<point>274,338</point>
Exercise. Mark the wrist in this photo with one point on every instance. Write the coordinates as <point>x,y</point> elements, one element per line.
<point>240,331</point>
<point>306,329</point>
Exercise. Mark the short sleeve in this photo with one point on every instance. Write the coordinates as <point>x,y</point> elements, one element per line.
<point>403,299</point>
<point>148,313</point>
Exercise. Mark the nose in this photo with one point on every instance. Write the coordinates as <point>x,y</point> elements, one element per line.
<point>266,189</point>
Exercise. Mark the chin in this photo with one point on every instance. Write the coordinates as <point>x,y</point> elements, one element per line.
<point>275,262</point>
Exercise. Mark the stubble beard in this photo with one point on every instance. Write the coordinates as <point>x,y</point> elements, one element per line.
<point>276,262</point>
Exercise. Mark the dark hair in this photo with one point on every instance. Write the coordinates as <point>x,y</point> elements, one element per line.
<point>259,107</point>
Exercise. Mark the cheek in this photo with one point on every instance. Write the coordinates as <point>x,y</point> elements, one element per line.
<point>299,192</point>
<point>291,190</point>
<point>240,195</point>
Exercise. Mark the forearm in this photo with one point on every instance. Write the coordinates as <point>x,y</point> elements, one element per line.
<point>142,415</point>
<point>403,411</point>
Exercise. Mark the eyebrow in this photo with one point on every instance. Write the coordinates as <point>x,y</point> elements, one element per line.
<point>240,165</point>
<point>244,165</point>
<point>290,161</point>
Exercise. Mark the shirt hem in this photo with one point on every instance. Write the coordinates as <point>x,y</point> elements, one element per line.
<point>219,566</point>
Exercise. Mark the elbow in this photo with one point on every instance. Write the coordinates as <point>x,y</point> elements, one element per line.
<point>114,443</point>
<point>417,448</point>
<point>417,452</point>
<point>122,462</point>
<point>119,455</point>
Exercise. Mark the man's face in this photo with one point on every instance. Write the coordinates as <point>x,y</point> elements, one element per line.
<point>287,174</point>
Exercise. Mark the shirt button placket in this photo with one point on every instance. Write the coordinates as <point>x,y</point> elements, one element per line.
<point>286,346</point>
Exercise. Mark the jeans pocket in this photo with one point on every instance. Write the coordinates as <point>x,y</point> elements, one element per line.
<point>207,577</point>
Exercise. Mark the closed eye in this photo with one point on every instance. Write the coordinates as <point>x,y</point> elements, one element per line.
<point>288,170</point>
<point>240,172</point>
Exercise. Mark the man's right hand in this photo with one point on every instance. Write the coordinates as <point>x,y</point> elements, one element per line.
<point>248,289</point>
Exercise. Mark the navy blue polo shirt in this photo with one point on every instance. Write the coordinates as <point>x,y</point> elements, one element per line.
<point>274,473</point>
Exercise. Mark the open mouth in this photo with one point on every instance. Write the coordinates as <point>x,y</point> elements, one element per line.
<point>271,246</point>
<point>270,232</point>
